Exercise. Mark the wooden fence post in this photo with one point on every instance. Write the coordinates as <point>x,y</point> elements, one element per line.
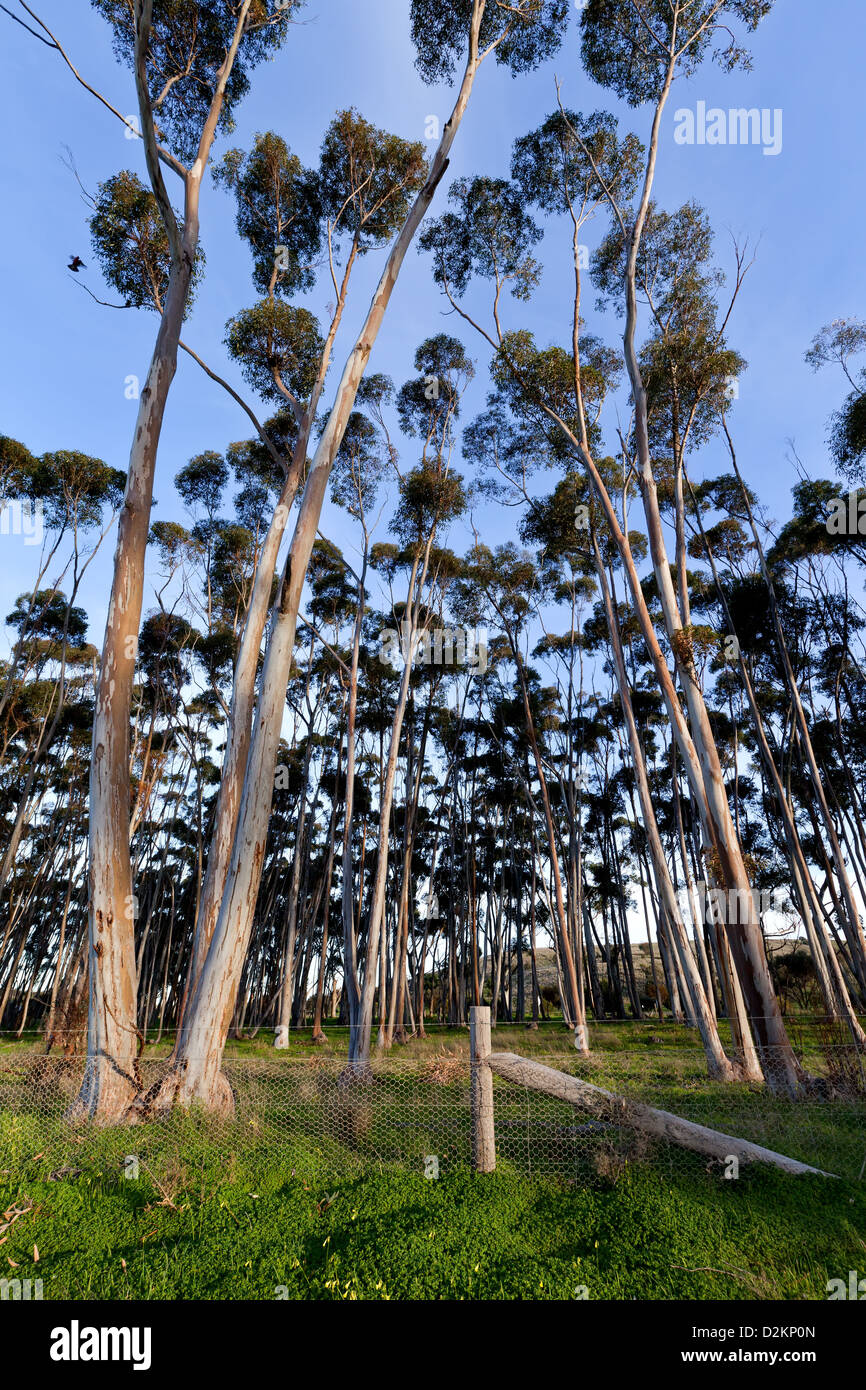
<point>483,1132</point>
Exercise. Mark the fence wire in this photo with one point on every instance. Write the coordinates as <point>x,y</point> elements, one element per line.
<point>306,1114</point>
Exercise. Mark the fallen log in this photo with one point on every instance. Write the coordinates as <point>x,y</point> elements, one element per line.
<point>605,1105</point>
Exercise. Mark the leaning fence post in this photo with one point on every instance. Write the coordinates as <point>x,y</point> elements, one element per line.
<point>483,1133</point>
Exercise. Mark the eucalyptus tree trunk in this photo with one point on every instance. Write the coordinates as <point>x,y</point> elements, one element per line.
<point>111,1078</point>
<point>318,1035</point>
<point>572,969</point>
<point>851,923</point>
<point>242,705</point>
<point>777,1057</point>
<point>827,967</point>
<point>695,737</point>
<point>778,1061</point>
<point>718,1065</point>
<point>196,1070</point>
<point>284,1020</point>
<point>350,943</point>
<point>239,731</point>
<point>359,1041</point>
<point>58,966</point>
<point>691,890</point>
<point>398,1001</point>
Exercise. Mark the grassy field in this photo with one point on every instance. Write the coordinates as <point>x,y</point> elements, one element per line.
<point>307,1196</point>
<point>264,1232</point>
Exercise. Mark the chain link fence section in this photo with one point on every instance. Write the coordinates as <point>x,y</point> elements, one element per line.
<point>308,1115</point>
<point>542,1135</point>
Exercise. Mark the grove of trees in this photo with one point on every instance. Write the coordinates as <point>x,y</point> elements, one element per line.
<point>377,784</point>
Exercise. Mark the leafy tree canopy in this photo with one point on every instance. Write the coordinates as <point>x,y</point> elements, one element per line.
<point>626,45</point>
<point>277,207</point>
<point>522,33</point>
<point>568,162</point>
<point>130,243</point>
<point>489,234</point>
<point>367,178</point>
<point>189,41</point>
<point>278,346</point>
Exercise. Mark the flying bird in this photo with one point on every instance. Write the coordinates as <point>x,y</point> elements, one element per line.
<point>76,264</point>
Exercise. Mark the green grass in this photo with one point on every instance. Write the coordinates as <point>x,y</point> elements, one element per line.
<point>322,1195</point>
<point>551,1037</point>
<point>260,1228</point>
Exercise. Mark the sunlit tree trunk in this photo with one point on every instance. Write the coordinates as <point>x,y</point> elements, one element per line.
<point>827,967</point>
<point>111,1078</point>
<point>718,1064</point>
<point>196,1073</point>
<point>777,1057</point>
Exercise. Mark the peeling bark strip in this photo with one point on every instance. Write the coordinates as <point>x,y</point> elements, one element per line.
<point>111,1079</point>
<point>659,1123</point>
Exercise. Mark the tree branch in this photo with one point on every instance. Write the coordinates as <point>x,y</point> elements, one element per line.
<point>143,18</point>
<point>164,154</point>
<point>260,429</point>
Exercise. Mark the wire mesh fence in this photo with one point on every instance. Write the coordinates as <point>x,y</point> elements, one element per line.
<point>310,1115</point>
<point>545,1135</point>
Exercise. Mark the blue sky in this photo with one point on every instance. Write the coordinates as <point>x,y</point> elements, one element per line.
<point>64,359</point>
